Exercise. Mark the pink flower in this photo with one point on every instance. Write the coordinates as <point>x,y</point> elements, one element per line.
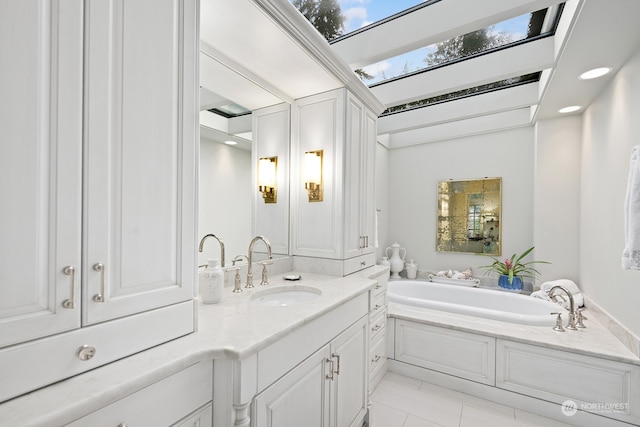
<point>507,263</point>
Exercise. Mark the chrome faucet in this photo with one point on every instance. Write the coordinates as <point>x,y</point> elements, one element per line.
<point>238,258</point>
<point>571,325</point>
<point>251,245</point>
<point>221,246</point>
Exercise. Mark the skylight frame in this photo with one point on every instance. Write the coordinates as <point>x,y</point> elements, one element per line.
<point>536,79</point>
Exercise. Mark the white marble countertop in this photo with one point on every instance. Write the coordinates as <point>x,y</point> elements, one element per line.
<point>594,340</point>
<point>232,329</point>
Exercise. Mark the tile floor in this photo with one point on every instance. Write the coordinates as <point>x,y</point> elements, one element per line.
<point>400,401</point>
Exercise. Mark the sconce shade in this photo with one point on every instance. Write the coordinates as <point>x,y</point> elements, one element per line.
<point>267,173</point>
<point>312,174</point>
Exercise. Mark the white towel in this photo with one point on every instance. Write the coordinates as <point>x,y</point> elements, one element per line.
<point>568,284</point>
<point>561,299</point>
<point>631,253</point>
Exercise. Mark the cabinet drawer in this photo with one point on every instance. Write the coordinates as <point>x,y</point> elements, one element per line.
<point>378,303</point>
<point>378,322</point>
<point>557,376</point>
<point>162,403</point>
<point>378,351</point>
<point>380,288</point>
<point>464,355</point>
<point>358,263</point>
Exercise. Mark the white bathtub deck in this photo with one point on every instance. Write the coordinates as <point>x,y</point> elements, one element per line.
<point>595,340</point>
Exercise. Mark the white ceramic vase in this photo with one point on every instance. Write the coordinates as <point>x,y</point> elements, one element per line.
<point>396,259</point>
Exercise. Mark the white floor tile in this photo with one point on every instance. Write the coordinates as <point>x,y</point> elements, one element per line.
<point>413,421</point>
<point>528,419</point>
<point>414,402</point>
<point>400,401</point>
<point>401,379</point>
<point>386,416</point>
<point>473,417</point>
<point>468,400</point>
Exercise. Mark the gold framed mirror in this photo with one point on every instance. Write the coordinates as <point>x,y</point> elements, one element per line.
<point>469,214</point>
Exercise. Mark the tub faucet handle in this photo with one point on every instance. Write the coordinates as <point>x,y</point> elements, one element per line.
<point>558,327</point>
<point>579,322</point>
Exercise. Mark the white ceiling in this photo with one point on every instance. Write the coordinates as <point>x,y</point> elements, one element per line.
<point>250,60</point>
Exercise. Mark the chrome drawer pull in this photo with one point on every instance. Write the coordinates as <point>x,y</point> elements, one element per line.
<point>330,375</point>
<point>70,271</point>
<point>376,359</point>
<point>376,328</point>
<point>99,267</point>
<point>337,356</point>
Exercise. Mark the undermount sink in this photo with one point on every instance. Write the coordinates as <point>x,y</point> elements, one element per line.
<point>285,296</point>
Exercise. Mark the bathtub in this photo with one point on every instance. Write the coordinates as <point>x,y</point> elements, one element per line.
<point>486,303</point>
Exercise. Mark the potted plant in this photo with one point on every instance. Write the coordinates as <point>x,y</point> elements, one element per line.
<point>512,270</point>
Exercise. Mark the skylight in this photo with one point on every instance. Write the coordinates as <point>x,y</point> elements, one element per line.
<point>355,15</point>
<point>477,90</point>
<point>230,110</point>
<point>501,35</point>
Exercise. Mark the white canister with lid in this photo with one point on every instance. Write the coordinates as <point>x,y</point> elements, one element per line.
<point>211,282</point>
<point>412,269</point>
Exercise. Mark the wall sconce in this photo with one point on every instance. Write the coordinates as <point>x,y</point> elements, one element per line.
<point>313,175</point>
<point>267,168</point>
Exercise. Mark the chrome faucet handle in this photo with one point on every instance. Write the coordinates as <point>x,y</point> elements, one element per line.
<point>265,279</point>
<point>237,288</point>
<point>571,324</point>
<point>579,322</point>
<point>558,327</point>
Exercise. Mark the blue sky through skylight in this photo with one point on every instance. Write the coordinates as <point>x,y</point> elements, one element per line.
<point>360,13</point>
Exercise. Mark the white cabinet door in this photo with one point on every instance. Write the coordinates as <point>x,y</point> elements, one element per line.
<point>300,398</point>
<point>359,179</point>
<point>354,240</point>
<point>342,225</point>
<point>140,132</point>
<point>40,167</point>
<point>318,124</point>
<point>349,387</point>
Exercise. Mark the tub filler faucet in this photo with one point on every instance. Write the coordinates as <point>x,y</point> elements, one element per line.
<point>571,325</point>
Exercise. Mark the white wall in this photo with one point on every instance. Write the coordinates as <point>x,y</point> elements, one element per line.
<point>413,176</point>
<point>556,217</point>
<point>611,128</point>
<point>224,199</point>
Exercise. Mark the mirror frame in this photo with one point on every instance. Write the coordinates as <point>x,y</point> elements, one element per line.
<point>445,222</point>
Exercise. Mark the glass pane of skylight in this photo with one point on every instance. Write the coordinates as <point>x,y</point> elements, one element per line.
<point>354,14</point>
<point>500,35</point>
<point>230,110</point>
<point>477,90</point>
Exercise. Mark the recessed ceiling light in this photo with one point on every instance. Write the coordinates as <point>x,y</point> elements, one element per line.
<point>595,73</point>
<point>229,142</point>
<point>569,109</point>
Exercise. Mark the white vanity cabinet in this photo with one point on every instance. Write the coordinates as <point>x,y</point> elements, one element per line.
<point>314,375</point>
<point>327,389</point>
<point>182,399</point>
<point>341,226</point>
<point>99,123</point>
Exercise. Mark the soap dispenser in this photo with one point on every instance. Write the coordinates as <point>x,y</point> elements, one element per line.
<point>211,282</point>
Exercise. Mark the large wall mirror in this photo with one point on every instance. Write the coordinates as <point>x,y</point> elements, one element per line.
<point>469,214</point>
